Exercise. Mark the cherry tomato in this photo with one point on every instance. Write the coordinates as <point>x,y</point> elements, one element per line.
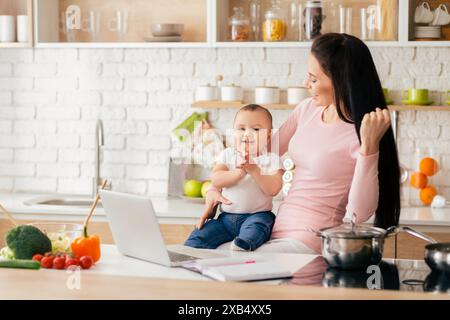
<point>86,262</point>
<point>37,257</point>
<point>72,262</point>
<point>47,262</point>
<point>48,254</point>
<point>59,263</point>
<point>61,255</point>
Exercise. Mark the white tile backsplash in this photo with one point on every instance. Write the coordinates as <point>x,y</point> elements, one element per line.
<point>50,100</point>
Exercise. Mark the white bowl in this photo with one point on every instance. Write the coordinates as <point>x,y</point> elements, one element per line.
<point>167,29</point>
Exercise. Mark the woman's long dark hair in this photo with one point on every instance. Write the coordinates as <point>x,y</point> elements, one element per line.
<point>347,61</point>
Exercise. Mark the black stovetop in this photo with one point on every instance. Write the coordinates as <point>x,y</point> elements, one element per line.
<point>390,274</point>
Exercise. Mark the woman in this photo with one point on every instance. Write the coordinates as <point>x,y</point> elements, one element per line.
<point>342,145</point>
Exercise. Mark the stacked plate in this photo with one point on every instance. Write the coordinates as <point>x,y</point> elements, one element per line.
<point>427,32</point>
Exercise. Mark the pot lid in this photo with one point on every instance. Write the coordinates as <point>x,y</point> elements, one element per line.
<point>353,231</point>
<point>346,231</point>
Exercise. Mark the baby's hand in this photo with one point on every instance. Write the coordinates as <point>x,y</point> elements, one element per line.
<point>240,171</point>
<point>249,168</point>
<point>205,217</point>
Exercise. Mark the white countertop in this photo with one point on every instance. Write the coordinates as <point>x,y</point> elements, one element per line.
<point>181,211</point>
<point>114,263</point>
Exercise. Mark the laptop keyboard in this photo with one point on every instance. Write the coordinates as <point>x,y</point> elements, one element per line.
<point>178,257</point>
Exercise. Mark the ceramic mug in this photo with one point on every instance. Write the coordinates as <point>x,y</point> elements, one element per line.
<point>441,16</point>
<point>297,95</point>
<point>267,95</point>
<point>416,95</point>
<point>231,93</point>
<point>7,28</point>
<point>386,96</point>
<point>22,28</point>
<point>423,13</point>
<point>206,93</point>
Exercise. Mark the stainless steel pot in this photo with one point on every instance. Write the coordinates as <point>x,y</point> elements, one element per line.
<point>352,246</point>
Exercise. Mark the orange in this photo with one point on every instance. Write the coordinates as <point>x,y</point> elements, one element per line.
<point>427,194</point>
<point>428,166</point>
<point>418,180</point>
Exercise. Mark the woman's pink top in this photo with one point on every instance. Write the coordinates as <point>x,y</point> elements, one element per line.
<point>331,175</point>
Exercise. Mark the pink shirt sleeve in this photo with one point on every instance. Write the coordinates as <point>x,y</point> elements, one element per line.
<point>364,191</point>
<point>280,140</point>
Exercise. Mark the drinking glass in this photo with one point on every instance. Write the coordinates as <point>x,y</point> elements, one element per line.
<point>120,24</point>
<point>93,25</point>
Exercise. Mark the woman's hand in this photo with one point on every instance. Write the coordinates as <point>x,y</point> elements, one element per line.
<point>373,127</point>
<point>212,200</point>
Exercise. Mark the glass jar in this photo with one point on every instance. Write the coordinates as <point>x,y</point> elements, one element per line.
<point>313,19</point>
<point>274,26</point>
<point>239,25</point>
<point>293,29</point>
<point>255,19</point>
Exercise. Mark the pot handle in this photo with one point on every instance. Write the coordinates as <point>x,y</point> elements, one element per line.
<point>392,231</point>
<point>418,234</point>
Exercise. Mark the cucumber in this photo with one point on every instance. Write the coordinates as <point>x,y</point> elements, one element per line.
<point>20,264</point>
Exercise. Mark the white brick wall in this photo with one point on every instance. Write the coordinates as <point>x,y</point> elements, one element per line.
<point>50,100</point>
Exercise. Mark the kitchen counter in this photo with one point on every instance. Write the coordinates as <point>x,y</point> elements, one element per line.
<point>181,211</point>
<point>142,280</point>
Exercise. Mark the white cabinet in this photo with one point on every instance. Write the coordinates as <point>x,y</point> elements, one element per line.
<point>14,8</point>
<point>98,23</point>
<point>206,22</point>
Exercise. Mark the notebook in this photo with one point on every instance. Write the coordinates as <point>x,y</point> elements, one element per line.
<point>239,269</point>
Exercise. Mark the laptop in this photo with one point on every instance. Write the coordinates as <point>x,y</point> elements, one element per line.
<point>136,231</point>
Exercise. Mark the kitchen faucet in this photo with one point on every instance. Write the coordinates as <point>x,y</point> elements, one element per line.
<point>99,142</point>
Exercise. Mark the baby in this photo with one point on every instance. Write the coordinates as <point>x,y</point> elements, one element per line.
<point>249,177</point>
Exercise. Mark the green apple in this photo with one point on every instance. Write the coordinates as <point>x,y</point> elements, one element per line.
<point>193,188</point>
<point>205,187</point>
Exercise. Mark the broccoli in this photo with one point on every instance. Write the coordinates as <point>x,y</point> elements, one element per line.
<point>26,241</point>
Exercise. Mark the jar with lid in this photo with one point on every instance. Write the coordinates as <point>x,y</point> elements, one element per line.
<point>274,26</point>
<point>239,25</point>
<point>313,19</point>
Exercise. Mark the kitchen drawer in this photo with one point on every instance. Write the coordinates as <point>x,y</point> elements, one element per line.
<point>409,247</point>
<point>100,228</point>
<point>172,233</point>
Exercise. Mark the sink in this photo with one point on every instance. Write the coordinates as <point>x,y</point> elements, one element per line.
<point>62,201</point>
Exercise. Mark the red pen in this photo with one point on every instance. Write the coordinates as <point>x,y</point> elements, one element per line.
<point>237,263</point>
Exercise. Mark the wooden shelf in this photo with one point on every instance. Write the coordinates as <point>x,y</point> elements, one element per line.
<point>419,108</point>
<point>239,104</point>
<point>4,45</point>
<point>236,105</point>
<point>111,45</point>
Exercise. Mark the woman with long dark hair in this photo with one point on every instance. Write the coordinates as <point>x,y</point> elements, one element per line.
<point>343,147</point>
